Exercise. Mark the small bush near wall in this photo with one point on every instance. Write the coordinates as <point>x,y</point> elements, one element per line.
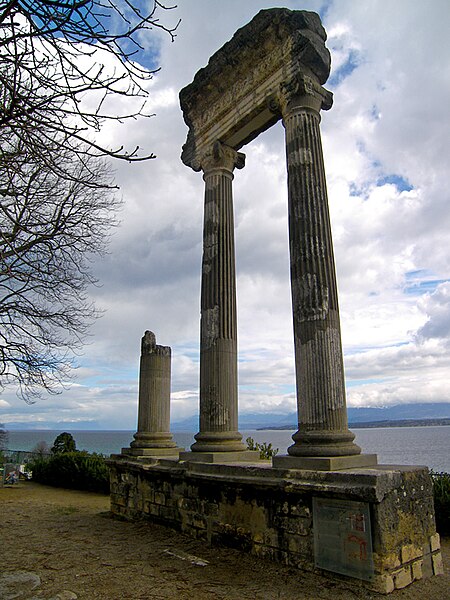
<point>266,451</point>
<point>75,470</point>
<point>441,488</point>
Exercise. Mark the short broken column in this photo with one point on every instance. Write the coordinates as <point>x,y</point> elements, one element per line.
<point>153,437</point>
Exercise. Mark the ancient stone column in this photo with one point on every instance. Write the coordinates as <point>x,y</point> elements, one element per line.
<point>322,415</point>
<point>218,325</point>
<point>153,437</point>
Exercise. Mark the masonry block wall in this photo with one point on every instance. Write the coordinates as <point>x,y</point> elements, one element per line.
<point>269,512</point>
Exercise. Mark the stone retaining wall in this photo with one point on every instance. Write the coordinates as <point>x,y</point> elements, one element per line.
<point>269,512</point>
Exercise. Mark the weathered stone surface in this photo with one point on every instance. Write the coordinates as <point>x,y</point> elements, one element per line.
<point>268,511</point>
<point>435,542</point>
<point>153,437</point>
<point>220,456</point>
<point>416,570</point>
<point>402,577</point>
<point>410,552</point>
<point>438,567</point>
<point>234,97</point>
<point>218,323</point>
<point>17,584</point>
<point>324,463</point>
<point>384,584</point>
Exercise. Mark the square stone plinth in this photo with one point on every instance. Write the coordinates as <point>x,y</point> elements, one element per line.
<point>325,463</point>
<point>221,457</point>
<point>151,452</point>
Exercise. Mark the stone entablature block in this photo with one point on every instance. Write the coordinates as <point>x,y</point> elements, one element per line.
<point>236,96</point>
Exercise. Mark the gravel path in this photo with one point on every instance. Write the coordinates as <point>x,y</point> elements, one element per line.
<point>62,545</point>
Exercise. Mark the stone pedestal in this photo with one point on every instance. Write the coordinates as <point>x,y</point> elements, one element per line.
<point>153,437</point>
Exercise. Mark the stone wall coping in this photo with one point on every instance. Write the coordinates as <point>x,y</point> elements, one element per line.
<point>369,485</point>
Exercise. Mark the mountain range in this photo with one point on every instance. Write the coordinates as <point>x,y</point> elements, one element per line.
<point>276,420</point>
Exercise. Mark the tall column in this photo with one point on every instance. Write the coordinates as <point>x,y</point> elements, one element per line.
<point>153,437</point>
<point>322,415</point>
<point>218,325</point>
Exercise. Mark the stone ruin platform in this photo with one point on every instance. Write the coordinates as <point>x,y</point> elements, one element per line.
<point>374,526</point>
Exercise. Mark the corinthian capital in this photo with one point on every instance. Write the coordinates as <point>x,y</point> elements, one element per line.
<point>303,91</point>
<point>223,157</point>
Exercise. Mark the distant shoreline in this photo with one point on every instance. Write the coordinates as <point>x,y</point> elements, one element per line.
<point>373,424</point>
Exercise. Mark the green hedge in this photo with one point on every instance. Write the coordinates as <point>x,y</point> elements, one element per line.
<point>441,492</point>
<point>75,470</point>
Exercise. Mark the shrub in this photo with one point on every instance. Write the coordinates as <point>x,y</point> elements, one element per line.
<point>75,470</point>
<point>441,493</point>
<point>266,451</point>
<point>64,442</point>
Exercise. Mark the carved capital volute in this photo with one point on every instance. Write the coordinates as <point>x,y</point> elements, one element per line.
<point>221,157</point>
<point>303,93</point>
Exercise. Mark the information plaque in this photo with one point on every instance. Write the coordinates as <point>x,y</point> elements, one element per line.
<point>342,537</point>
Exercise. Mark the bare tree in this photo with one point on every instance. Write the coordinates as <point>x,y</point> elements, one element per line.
<point>50,229</point>
<point>54,53</point>
<point>61,62</point>
<point>41,449</point>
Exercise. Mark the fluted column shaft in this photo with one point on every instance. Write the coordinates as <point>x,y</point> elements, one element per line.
<point>218,325</point>
<point>322,415</point>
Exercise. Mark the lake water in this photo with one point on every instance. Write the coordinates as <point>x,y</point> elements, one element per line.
<point>428,446</point>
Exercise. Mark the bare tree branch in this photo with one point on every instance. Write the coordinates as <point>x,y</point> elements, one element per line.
<point>61,63</point>
<point>43,79</point>
<point>50,229</point>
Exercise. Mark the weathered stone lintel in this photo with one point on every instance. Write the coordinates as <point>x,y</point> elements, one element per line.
<point>242,119</point>
<point>236,96</point>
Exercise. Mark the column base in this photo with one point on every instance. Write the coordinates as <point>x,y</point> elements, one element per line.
<point>218,441</point>
<point>152,452</point>
<point>324,463</point>
<point>153,439</point>
<point>221,457</point>
<point>323,443</point>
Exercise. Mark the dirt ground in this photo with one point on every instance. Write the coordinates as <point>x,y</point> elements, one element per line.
<point>62,545</point>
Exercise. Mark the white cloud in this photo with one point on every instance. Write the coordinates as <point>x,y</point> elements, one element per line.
<point>386,155</point>
<point>436,306</point>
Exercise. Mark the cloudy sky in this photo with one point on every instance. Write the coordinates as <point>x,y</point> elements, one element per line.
<point>386,145</point>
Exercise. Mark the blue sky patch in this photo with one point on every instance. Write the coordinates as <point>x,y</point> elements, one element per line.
<point>352,62</point>
<point>421,282</point>
<point>400,182</point>
<point>356,382</point>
